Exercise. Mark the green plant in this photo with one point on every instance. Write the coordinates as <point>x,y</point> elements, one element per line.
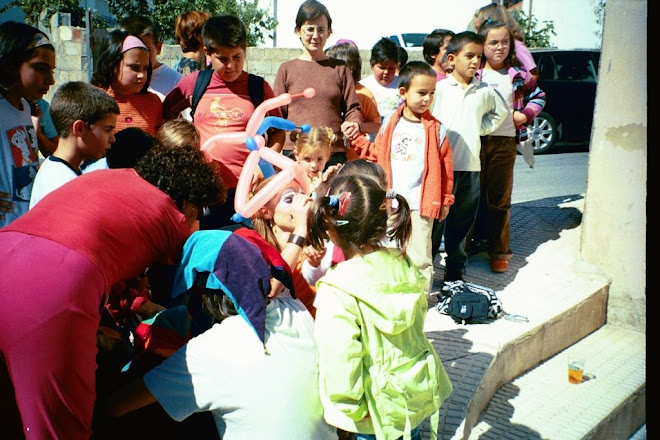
<point>536,34</point>
<point>258,22</point>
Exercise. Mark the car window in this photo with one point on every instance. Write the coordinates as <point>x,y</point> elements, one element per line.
<point>546,67</point>
<point>577,66</point>
<point>413,40</point>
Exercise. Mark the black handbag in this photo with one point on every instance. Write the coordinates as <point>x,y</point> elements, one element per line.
<point>469,303</point>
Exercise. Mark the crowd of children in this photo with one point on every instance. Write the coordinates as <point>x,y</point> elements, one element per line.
<point>304,320</point>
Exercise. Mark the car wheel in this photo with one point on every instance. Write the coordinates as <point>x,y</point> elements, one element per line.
<point>543,132</point>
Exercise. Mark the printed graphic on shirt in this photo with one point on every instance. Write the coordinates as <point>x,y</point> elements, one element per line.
<point>222,113</point>
<point>23,144</point>
<point>407,159</point>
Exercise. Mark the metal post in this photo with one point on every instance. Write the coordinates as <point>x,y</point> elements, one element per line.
<point>275,18</point>
<point>90,36</point>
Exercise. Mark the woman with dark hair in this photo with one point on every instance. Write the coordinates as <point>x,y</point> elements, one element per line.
<point>60,260</point>
<point>335,103</point>
<point>123,70</point>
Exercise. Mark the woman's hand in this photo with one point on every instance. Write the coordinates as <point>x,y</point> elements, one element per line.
<point>299,208</point>
<point>351,130</point>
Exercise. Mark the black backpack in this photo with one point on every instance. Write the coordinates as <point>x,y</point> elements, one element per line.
<point>255,89</point>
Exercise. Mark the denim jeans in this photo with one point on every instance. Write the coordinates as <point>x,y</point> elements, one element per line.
<point>414,435</point>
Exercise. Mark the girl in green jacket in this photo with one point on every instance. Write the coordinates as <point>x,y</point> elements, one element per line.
<point>379,375</point>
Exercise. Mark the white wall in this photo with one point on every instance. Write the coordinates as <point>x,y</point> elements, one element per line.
<point>365,21</point>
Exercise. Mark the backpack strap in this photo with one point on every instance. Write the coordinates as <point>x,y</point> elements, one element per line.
<point>202,82</point>
<point>256,89</point>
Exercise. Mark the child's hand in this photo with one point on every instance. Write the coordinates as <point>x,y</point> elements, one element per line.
<point>314,256</point>
<point>35,115</point>
<point>331,172</point>
<point>5,204</point>
<point>519,118</point>
<point>351,130</point>
<point>444,211</point>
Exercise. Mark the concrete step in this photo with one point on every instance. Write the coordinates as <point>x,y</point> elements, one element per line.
<point>563,298</point>
<point>481,358</point>
<point>542,404</point>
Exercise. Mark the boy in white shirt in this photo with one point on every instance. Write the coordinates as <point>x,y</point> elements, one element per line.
<point>85,117</point>
<point>469,109</point>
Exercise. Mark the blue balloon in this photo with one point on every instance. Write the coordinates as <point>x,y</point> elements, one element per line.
<point>237,218</point>
<point>266,167</point>
<point>251,144</point>
<point>275,122</point>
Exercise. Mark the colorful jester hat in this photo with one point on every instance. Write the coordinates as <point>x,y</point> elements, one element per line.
<point>240,264</point>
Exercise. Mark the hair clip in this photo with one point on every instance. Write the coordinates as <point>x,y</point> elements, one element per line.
<point>343,202</point>
<point>390,194</point>
<point>334,201</point>
<point>341,222</point>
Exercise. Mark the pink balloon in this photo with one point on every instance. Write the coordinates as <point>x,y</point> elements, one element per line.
<point>261,142</point>
<point>233,137</point>
<point>260,112</point>
<point>290,170</point>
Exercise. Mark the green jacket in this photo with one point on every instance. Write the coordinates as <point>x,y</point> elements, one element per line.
<point>378,372</point>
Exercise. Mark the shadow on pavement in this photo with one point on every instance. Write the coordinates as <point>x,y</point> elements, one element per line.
<point>532,224</point>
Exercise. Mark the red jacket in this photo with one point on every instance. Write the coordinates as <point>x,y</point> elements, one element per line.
<point>438,178</point>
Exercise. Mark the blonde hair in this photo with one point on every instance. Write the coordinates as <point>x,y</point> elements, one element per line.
<point>179,133</point>
<point>317,138</point>
<point>261,225</point>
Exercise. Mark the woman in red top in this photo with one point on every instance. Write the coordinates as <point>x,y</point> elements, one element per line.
<point>60,260</point>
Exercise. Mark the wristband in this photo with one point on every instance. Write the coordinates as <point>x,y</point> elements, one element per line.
<point>298,240</point>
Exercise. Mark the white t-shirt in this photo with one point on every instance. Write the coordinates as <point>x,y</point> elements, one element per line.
<point>501,82</point>
<point>163,80</point>
<point>19,157</point>
<point>387,97</point>
<point>53,173</point>
<point>253,395</point>
<point>407,157</point>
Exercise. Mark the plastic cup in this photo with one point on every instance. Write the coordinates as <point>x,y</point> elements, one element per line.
<point>575,369</point>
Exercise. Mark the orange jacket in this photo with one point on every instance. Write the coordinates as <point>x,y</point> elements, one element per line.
<point>438,178</point>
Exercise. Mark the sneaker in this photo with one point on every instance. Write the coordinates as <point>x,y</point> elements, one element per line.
<point>499,266</point>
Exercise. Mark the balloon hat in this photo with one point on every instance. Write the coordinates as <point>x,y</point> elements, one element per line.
<point>265,157</point>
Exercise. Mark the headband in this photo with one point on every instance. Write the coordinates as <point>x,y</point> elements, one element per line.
<point>38,40</point>
<point>132,42</point>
